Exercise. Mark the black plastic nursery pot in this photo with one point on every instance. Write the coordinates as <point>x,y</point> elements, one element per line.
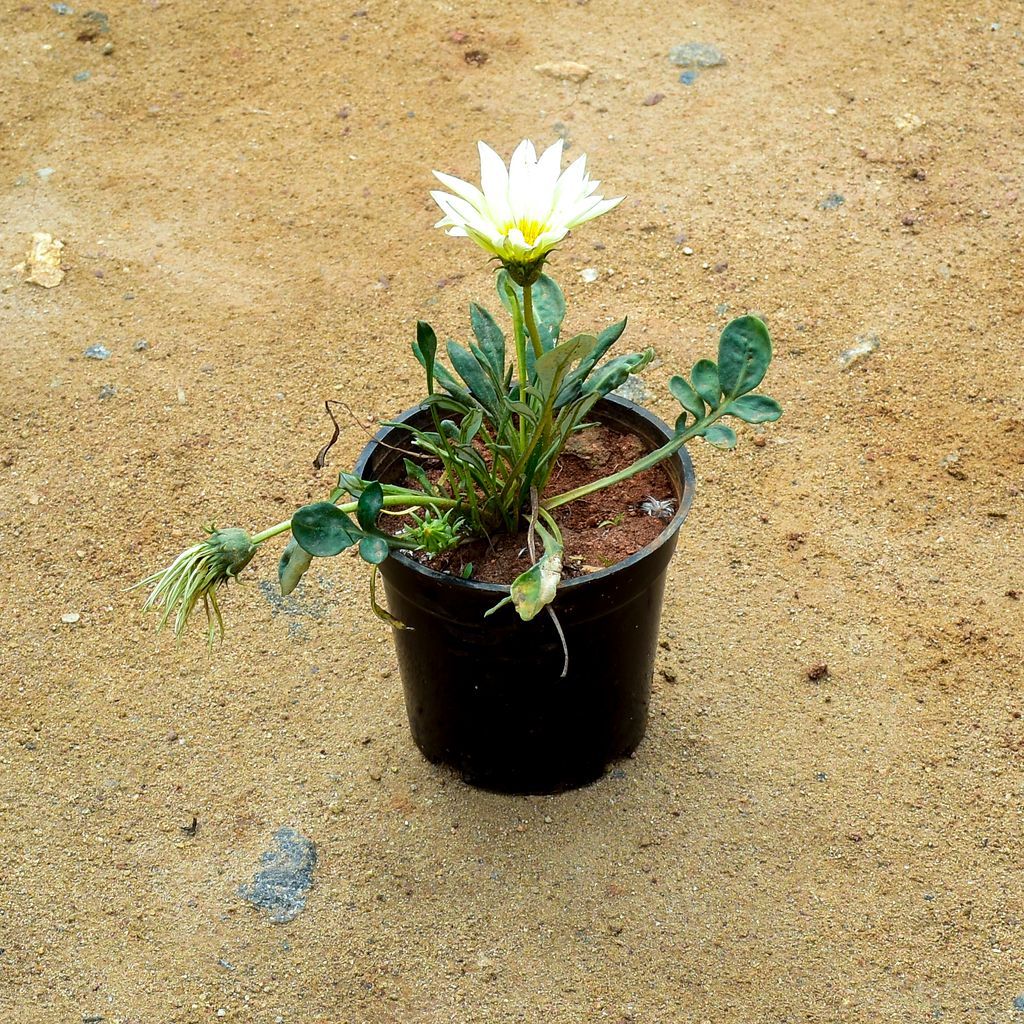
<point>485,696</point>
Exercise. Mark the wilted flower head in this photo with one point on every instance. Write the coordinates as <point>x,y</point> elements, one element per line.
<point>195,575</point>
<point>520,213</point>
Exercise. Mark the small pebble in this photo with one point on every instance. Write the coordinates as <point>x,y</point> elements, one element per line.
<point>832,201</point>
<point>866,344</point>
<point>141,345</point>
<point>44,172</point>
<point>687,251</point>
<point>61,9</point>
<point>817,671</point>
<point>108,49</point>
<point>97,352</point>
<point>696,55</point>
<point>564,70</point>
<point>70,618</point>
<point>688,77</point>
<point>654,99</point>
<point>82,76</point>
<point>589,274</point>
<point>107,391</point>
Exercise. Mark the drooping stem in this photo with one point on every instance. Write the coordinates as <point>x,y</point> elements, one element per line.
<point>390,501</point>
<point>649,460</point>
<point>531,323</point>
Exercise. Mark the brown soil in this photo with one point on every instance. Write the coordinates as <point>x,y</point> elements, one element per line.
<point>598,530</point>
<point>244,187</point>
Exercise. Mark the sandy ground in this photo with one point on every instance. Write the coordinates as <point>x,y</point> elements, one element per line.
<point>244,186</point>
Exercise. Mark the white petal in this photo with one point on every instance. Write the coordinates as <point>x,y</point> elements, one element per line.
<point>494,182</point>
<point>548,166</point>
<point>461,188</point>
<point>594,209</point>
<point>521,180</point>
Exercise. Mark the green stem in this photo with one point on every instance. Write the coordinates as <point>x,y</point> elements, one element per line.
<point>531,323</point>
<point>517,331</point>
<point>390,501</point>
<point>651,459</point>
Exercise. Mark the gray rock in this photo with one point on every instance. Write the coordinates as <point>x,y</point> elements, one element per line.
<point>82,76</point>
<point>99,19</point>
<point>832,201</point>
<point>634,390</point>
<point>284,877</point>
<point>107,391</point>
<point>97,352</point>
<point>61,9</point>
<point>141,345</point>
<point>696,55</point>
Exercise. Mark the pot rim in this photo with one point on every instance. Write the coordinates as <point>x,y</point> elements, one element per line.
<point>671,527</point>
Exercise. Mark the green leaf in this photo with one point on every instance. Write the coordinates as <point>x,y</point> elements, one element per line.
<point>755,408</point>
<point>440,374</point>
<point>470,426</point>
<point>373,550</point>
<point>473,374</point>
<point>371,501</point>
<point>535,589</point>
<point>720,437</point>
<point>425,350</point>
<point>323,529</point>
<point>681,423</point>
<point>293,563</point>
<point>548,305</point>
<point>490,336</point>
<point>744,352</point>
<point>415,472</point>
<point>552,366</point>
<point>687,397</point>
<point>469,456</point>
<point>705,382</point>
<point>614,373</point>
<point>571,385</point>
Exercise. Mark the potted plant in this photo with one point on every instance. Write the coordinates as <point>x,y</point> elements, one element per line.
<point>536,681</point>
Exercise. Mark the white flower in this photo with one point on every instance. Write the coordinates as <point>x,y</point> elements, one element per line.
<point>521,213</point>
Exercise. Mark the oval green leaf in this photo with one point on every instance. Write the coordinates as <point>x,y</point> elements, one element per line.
<point>755,409</point>
<point>687,397</point>
<point>373,550</point>
<point>323,530</point>
<point>744,352</point>
<point>705,382</point>
<point>720,437</point>
<point>371,501</point>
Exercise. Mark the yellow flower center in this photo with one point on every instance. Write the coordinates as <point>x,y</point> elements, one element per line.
<point>531,229</point>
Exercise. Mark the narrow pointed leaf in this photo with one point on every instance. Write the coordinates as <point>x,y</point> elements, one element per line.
<point>553,365</point>
<point>490,336</point>
<point>416,473</point>
<point>471,372</point>
<point>614,373</point>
